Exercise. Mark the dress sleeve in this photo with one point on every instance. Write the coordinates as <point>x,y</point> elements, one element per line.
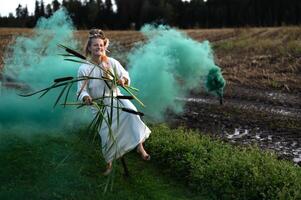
<point>122,73</point>
<point>82,85</point>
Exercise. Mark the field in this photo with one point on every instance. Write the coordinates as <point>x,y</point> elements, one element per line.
<point>262,67</point>
<point>262,100</point>
<point>260,58</point>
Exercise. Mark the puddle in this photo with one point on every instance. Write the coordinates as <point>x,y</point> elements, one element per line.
<point>205,114</point>
<point>291,150</point>
<point>247,105</point>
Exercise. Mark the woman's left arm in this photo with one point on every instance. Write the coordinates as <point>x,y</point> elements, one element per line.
<point>123,75</point>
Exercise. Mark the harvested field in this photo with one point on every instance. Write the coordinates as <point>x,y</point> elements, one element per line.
<point>262,101</point>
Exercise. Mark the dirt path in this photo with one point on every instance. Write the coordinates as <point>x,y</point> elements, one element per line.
<point>269,119</point>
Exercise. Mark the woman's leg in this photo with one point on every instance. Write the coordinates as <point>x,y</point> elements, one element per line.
<point>108,169</point>
<point>141,150</point>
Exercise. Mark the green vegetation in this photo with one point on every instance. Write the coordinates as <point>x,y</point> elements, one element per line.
<point>222,171</point>
<point>70,167</point>
<point>185,165</point>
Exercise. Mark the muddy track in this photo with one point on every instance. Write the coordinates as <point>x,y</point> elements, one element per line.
<point>270,120</point>
<point>263,97</point>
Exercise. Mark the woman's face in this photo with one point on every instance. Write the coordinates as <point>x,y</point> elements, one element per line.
<point>97,47</point>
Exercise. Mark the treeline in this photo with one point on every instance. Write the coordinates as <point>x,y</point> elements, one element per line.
<point>132,14</point>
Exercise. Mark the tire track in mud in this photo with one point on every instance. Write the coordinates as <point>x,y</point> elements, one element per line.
<point>246,121</point>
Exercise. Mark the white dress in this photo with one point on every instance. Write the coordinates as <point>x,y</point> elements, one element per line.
<point>130,130</point>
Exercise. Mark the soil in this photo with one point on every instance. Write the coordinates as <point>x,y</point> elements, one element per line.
<point>262,100</point>
<point>268,119</point>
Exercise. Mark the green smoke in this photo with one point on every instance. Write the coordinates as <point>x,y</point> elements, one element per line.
<point>215,81</point>
<point>165,68</point>
<point>168,66</point>
<point>34,61</point>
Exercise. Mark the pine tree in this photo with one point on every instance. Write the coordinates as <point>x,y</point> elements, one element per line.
<point>55,5</point>
<point>37,13</point>
<point>19,11</point>
<point>48,10</point>
<point>42,9</point>
<point>24,13</point>
<point>109,6</point>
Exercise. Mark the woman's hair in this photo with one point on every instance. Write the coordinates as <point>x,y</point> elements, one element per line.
<point>95,33</point>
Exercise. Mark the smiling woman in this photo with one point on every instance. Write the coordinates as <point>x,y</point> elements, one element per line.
<point>120,130</point>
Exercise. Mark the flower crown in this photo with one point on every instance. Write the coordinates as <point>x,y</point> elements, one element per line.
<point>96,33</point>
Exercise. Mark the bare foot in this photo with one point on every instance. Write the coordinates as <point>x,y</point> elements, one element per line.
<point>143,153</point>
<point>108,169</point>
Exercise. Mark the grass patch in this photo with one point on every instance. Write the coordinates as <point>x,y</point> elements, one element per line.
<point>221,171</point>
<point>185,165</point>
<point>32,168</point>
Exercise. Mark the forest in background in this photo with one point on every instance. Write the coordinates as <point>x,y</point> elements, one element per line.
<point>132,14</point>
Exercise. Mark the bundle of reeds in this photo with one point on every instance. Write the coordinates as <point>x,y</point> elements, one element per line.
<point>104,111</point>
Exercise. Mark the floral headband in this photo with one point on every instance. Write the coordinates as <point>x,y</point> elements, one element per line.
<point>94,33</point>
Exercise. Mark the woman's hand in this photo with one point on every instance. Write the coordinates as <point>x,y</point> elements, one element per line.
<point>122,82</point>
<point>87,100</point>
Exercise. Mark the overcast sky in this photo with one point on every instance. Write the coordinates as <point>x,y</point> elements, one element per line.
<point>9,6</point>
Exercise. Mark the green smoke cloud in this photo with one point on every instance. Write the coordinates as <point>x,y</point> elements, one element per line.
<point>168,66</point>
<point>33,60</point>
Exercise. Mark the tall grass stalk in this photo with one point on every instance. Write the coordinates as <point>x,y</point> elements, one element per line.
<point>104,113</point>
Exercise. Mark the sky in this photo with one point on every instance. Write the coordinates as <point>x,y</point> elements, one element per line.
<point>9,6</point>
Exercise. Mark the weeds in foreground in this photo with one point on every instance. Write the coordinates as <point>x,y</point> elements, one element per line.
<point>222,171</point>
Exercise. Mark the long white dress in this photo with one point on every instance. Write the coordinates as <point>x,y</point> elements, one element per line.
<point>130,130</point>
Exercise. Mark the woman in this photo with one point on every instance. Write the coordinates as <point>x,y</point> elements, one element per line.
<point>126,132</point>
